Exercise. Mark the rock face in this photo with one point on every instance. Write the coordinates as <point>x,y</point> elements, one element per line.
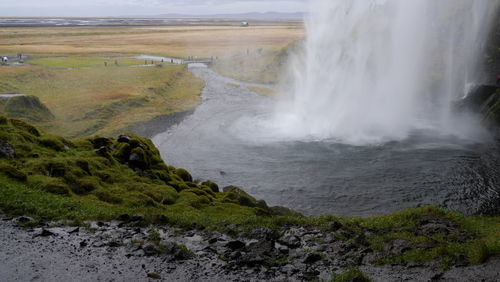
<point>6,150</point>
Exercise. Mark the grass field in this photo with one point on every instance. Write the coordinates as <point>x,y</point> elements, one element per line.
<point>72,70</point>
<point>85,62</point>
<point>176,41</point>
<point>104,100</point>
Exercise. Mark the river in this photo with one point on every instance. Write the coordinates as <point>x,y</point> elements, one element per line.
<point>324,177</point>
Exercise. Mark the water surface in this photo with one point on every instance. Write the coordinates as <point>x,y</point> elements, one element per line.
<point>220,142</point>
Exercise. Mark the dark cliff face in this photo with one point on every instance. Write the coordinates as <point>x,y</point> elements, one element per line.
<point>492,52</point>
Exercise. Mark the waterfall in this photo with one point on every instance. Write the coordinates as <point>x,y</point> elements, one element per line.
<point>380,70</point>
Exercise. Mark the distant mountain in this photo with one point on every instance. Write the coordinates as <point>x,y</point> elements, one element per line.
<point>242,16</point>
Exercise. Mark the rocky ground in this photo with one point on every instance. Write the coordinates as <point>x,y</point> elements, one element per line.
<point>125,250</point>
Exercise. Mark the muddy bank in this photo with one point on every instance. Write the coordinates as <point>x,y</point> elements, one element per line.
<point>126,249</point>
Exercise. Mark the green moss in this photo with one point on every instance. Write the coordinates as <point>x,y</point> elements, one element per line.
<point>184,174</point>
<point>187,197</point>
<point>3,120</point>
<point>184,252</point>
<point>162,194</point>
<point>83,185</point>
<point>50,184</point>
<point>109,197</point>
<point>212,185</point>
<point>12,172</point>
<point>52,143</point>
<point>25,127</point>
<point>238,196</point>
<point>351,275</point>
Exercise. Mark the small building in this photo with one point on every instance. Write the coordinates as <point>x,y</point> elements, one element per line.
<point>244,24</point>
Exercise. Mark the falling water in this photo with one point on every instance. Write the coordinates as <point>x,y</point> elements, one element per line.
<point>381,70</point>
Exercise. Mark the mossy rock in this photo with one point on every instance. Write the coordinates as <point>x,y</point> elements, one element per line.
<point>122,152</point>
<point>52,143</point>
<point>213,186</point>
<point>12,172</point>
<point>53,168</point>
<point>83,165</point>
<point>238,196</point>
<point>98,142</point>
<point>138,159</point>
<point>199,192</point>
<point>25,127</point>
<point>179,185</point>
<point>163,175</point>
<point>184,174</point>
<point>208,190</point>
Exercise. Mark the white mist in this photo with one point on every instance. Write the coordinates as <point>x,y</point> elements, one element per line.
<point>377,71</point>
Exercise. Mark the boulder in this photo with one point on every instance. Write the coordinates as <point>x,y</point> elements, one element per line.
<point>7,151</point>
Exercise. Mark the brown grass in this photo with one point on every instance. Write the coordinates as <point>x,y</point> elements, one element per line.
<point>178,41</point>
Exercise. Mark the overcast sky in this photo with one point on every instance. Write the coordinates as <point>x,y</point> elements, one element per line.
<point>143,7</point>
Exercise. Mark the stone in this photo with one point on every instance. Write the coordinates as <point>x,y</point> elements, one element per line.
<point>101,142</point>
<point>150,250</point>
<point>312,258</point>
<point>102,151</point>
<point>24,219</point>
<point>124,139</point>
<point>83,244</point>
<point>235,245</point>
<point>251,260</point>
<point>262,247</point>
<point>281,248</point>
<point>161,219</point>
<point>397,246</point>
<point>262,233</point>
<point>228,188</point>
<point>136,217</point>
<point>290,240</point>
<point>124,218</point>
<point>334,226</point>
<point>7,151</point>
<point>76,230</point>
<point>154,275</point>
<point>46,233</point>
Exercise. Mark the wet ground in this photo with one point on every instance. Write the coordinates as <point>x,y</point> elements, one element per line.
<point>118,251</point>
